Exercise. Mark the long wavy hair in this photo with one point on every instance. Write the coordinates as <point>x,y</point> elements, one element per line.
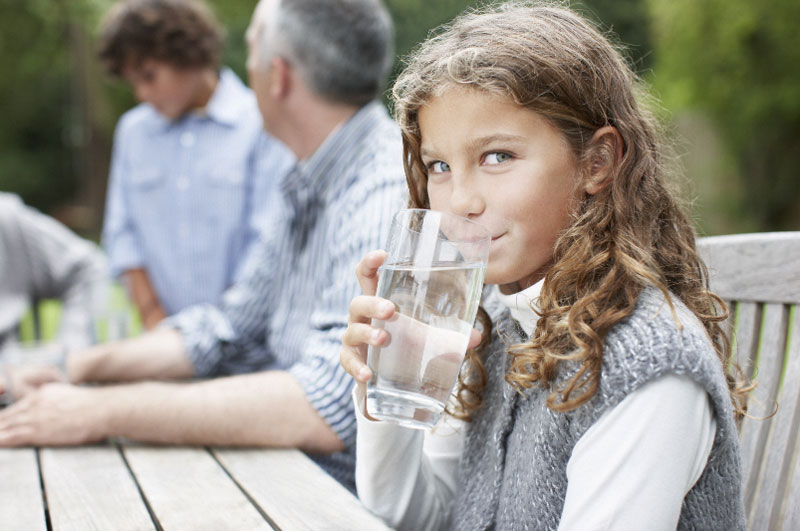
<point>631,234</point>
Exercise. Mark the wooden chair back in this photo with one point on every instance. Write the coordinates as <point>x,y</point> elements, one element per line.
<point>758,275</point>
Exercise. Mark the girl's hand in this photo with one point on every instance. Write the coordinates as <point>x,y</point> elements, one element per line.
<point>363,309</point>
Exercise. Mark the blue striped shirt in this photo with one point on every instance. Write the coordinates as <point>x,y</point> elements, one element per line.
<point>186,198</point>
<point>289,308</point>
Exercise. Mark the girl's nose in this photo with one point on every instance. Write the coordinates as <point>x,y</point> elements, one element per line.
<point>466,200</point>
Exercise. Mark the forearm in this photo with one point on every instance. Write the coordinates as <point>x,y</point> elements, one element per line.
<point>159,354</point>
<point>144,296</point>
<point>260,409</point>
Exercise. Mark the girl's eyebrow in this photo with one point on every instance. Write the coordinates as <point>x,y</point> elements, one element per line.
<point>480,142</point>
<point>483,141</point>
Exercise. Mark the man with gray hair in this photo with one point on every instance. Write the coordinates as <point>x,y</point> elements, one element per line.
<point>317,67</point>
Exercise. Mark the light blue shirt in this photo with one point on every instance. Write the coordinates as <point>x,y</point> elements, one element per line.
<point>187,198</point>
<point>289,309</point>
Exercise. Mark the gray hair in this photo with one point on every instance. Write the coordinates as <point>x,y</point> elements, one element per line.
<point>343,49</point>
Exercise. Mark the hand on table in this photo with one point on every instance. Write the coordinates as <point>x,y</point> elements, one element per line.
<point>54,415</point>
<point>21,380</point>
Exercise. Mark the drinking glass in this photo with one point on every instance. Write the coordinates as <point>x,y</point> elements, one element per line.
<point>433,274</point>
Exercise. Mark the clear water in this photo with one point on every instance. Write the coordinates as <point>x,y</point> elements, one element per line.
<point>414,373</point>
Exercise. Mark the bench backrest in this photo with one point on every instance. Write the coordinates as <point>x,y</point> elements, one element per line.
<point>758,275</point>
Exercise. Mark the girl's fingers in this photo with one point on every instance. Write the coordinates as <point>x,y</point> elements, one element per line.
<point>358,334</point>
<point>352,361</point>
<point>367,271</point>
<point>364,308</point>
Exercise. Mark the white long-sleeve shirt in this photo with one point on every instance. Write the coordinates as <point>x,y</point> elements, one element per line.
<point>634,465</point>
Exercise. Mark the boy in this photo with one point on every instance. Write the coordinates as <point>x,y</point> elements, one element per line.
<point>192,172</point>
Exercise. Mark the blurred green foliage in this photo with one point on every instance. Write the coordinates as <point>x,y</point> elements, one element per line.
<point>731,61</point>
<point>737,61</point>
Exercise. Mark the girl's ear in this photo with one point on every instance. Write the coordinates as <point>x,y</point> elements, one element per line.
<point>606,149</point>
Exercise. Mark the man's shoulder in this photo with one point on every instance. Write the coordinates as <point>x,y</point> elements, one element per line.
<point>378,156</point>
<point>10,207</point>
<point>9,201</point>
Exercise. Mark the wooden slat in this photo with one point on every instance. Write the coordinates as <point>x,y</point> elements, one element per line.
<point>769,494</point>
<point>787,518</point>
<point>746,336</point>
<point>791,517</point>
<point>727,324</point>
<point>91,488</point>
<point>187,489</point>
<point>761,403</point>
<point>754,267</point>
<point>295,492</point>
<point>21,504</point>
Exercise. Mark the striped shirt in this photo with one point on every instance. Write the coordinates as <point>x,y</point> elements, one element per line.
<point>186,197</point>
<point>41,259</point>
<point>289,308</point>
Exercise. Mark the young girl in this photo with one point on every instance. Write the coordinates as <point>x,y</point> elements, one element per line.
<point>597,397</point>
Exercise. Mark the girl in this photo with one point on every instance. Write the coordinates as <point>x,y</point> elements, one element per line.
<point>597,397</point>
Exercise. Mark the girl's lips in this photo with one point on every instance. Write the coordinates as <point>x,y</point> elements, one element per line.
<point>494,238</point>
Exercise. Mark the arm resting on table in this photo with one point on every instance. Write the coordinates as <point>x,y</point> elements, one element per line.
<point>260,409</point>
<point>159,354</point>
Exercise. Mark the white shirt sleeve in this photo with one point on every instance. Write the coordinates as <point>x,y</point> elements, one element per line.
<point>406,476</point>
<point>632,469</point>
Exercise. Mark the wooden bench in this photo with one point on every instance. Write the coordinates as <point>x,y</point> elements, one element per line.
<point>758,275</point>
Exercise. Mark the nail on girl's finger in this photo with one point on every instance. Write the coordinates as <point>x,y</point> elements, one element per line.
<point>364,374</point>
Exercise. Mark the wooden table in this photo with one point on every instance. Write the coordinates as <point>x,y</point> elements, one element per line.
<point>126,486</point>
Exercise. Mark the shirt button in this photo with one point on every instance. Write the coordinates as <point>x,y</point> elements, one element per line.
<point>183,183</point>
<point>187,139</point>
<point>183,230</point>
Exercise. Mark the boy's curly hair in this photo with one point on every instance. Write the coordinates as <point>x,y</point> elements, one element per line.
<point>631,234</point>
<point>182,33</point>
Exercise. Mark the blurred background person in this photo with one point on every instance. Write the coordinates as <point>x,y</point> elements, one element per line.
<point>192,172</point>
<point>42,259</point>
<point>268,354</point>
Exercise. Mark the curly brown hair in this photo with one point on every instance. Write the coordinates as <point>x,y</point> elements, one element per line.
<point>182,33</point>
<point>631,234</point>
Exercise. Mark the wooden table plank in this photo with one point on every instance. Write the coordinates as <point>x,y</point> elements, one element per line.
<point>90,487</point>
<point>186,488</point>
<point>295,492</point>
<point>21,504</point>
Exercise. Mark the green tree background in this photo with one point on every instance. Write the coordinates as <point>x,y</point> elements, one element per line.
<point>724,70</point>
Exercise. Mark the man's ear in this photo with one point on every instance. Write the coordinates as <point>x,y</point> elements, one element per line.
<point>280,77</point>
<point>606,149</point>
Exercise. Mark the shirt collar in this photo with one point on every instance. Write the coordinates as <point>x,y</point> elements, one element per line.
<point>229,100</point>
<point>334,154</point>
<point>521,306</point>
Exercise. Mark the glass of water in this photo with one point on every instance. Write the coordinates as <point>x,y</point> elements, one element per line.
<point>433,274</point>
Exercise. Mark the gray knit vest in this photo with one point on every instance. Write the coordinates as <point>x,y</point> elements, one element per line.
<point>513,470</point>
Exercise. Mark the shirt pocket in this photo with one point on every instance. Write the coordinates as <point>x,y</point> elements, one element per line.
<point>146,178</point>
<point>225,186</point>
<point>226,178</point>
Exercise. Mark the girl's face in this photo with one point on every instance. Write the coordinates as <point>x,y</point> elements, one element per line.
<point>505,167</point>
<point>172,92</point>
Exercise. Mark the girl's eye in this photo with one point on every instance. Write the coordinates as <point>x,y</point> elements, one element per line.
<point>496,157</point>
<point>438,167</point>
